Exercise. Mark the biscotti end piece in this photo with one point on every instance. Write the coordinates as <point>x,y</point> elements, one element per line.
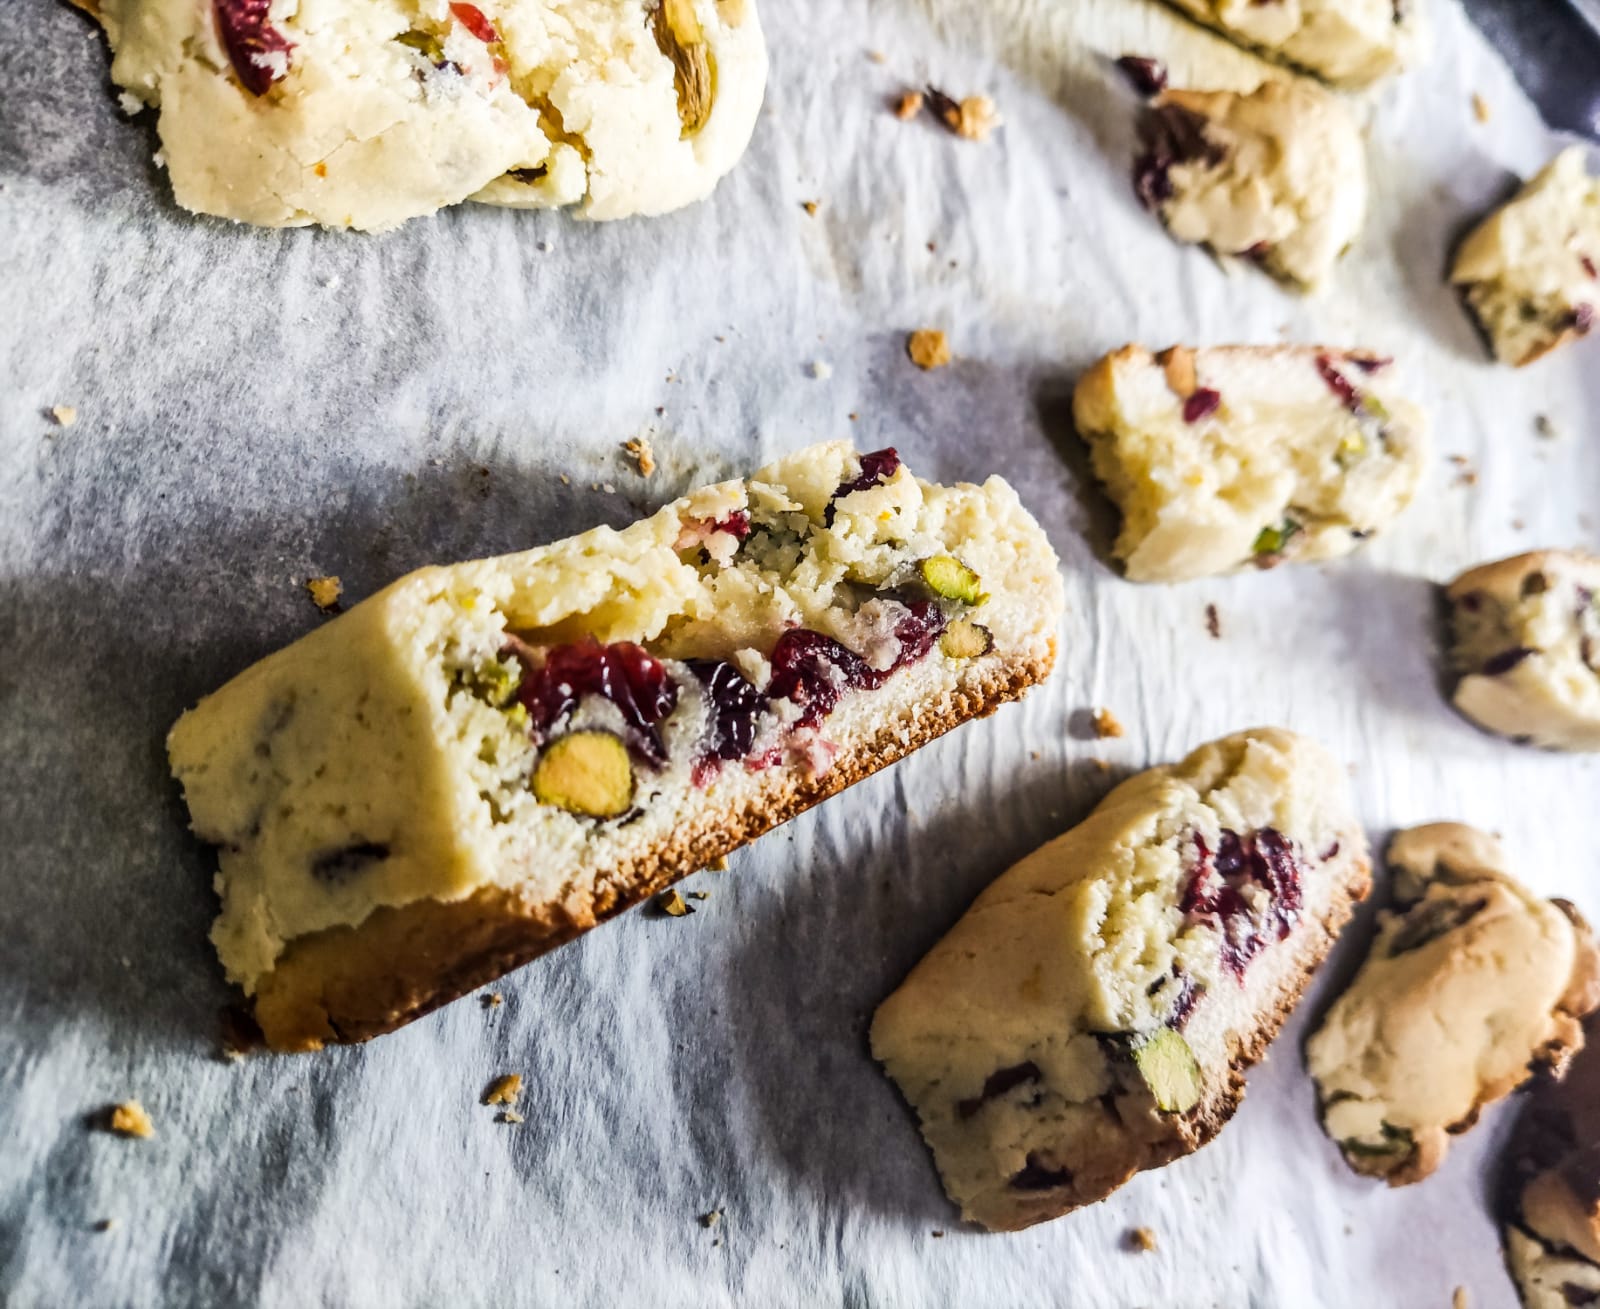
<point>366,114</point>
<point>1350,43</point>
<point>1094,1012</point>
<point>1278,175</point>
<point>1526,643</point>
<point>1244,456</point>
<point>1530,272</point>
<point>1471,985</point>
<point>484,760</point>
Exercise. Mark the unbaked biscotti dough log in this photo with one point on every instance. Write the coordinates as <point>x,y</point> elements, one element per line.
<point>484,760</point>
<point>1239,456</point>
<point>364,113</point>
<point>1094,1012</point>
<point>1278,175</point>
<point>1530,272</point>
<point>1350,43</point>
<point>1471,985</point>
<point>1526,634</point>
<point>1551,1187</point>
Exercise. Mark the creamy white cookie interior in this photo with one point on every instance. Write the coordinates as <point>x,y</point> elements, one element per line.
<point>1347,42</point>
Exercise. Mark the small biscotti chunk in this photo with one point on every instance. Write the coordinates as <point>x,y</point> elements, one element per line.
<point>1094,1012</point>
<point>1551,1197</point>
<point>1527,646</point>
<point>1471,984</point>
<point>1347,42</point>
<point>1530,272</point>
<point>364,113</point>
<point>1239,455</point>
<point>1278,175</point>
<point>484,760</point>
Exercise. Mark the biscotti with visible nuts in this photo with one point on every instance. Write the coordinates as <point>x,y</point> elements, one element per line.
<point>1346,42</point>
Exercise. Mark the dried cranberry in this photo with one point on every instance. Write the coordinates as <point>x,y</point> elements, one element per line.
<point>998,1083</point>
<point>814,670</point>
<point>735,707</point>
<point>1265,858</point>
<point>1035,1176</point>
<point>1582,318</point>
<point>1369,363</point>
<point>624,673</point>
<point>923,624</point>
<point>1339,384</point>
<point>1168,135</point>
<point>258,52</point>
<point>1202,403</point>
<point>475,21</point>
<point>1588,266</point>
<point>736,524</point>
<point>1506,660</point>
<point>878,466</point>
<point>1578,1296</point>
<point>1146,76</point>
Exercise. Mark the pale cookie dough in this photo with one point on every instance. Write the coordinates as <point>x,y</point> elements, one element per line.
<point>1527,646</point>
<point>486,759</point>
<point>365,113</point>
<point>1530,272</point>
<point>1551,1195</point>
<point>1471,985</point>
<point>1236,456</point>
<point>1278,175</point>
<point>1094,1012</point>
<point>1347,42</point>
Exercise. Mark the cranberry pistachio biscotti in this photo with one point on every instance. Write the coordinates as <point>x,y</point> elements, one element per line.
<point>484,760</point>
<point>1094,1012</point>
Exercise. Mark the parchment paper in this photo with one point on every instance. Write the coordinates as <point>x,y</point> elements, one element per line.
<point>259,407</point>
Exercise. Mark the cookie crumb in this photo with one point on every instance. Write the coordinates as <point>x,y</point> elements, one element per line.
<point>821,369</point>
<point>711,1219</point>
<point>908,106</point>
<point>1480,108</point>
<point>929,348</point>
<point>1213,623</point>
<point>504,1089</point>
<point>937,1235</point>
<point>1106,724</point>
<point>64,415</point>
<point>640,451</point>
<point>810,206</point>
<point>130,1119</point>
<point>1101,764</point>
<point>718,865</point>
<point>608,487</point>
<point>877,56</point>
<point>1142,1238</point>
<point>1460,1300</point>
<point>699,895</point>
<point>672,904</point>
<point>1546,427</point>
<point>105,1224</point>
<point>971,118</point>
<point>325,593</point>
<point>509,1116</point>
<point>491,1001</point>
<point>130,104</point>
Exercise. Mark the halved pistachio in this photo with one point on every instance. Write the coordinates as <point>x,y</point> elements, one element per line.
<point>1272,540</point>
<point>964,639</point>
<point>1170,1070</point>
<point>952,579</point>
<point>586,773</point>
<point>680,37</point>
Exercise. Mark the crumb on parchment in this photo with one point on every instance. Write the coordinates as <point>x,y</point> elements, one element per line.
<point>711,1219</point>
<point>929,348</point>
<point>908,106</point>
<point>718,865</point>
<point>64,415</point>
<point>1142,1238</point>
<point>1460,1300</point>
<point>672,904</point>
<point>1213,622</point>
<point>971,118</point>
<point>325,592</point>
<point>643,455</point>
<point>130,1119</point>
<point>509,1116</point>
<point>504,1089</point>
<point>811,206</point>
<point>1106,724</point>
<point>492,1000</point>
<point>1480,108</point>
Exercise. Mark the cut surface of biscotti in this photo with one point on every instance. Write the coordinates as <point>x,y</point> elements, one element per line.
<point>1241,456</point>
<point>365,113</point>
<point>483,760</point>
<point>1550,1201</point>
<point>1471,984</point>
<point>1530,272</point>
<point>1093,1013</point>
<point>1278,175</point>
<point>1526,643</point>
<point>1347,42</point>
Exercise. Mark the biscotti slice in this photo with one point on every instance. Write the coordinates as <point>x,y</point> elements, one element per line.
<point>365,113</point>
<point>1472,984</point>
<point>1551,1194</point>
<point>1350,43</point>
<point>1278,175</point>
<point>1530,272</point>
<point>1240,455</point>
<point>1094,1012</point>
<point>484,760</point>
<point>1527,646</point>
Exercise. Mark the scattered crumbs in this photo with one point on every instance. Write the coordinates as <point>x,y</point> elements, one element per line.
<point>491,1001</point>
<point>130,1119</point>
<point>504,1089</point>
<point>64,415</point>
<point>129,104</point>
<point>608,488</point>
<point>1460,461</point>
<point>718,1241</point>
<point>821,369</point>
<point>1467,477</point>
<point>971,118</point>
<point>644,457</point>
<point>546,246</point>
<point>810,206</point>
<point>938,1235</point>
<point>565,480</point>
<point>711,1219</point>
<point>1517,525</point>
<point>933,247</point>
<point>1142,1238</point>
<point>929,348</point>
<point>105,1224</point>
<point>325,593</point>
<point>1033,754</point>
<point>908,106</point>
<point>1546,427</point>
<point>1213,623</point>
<point>1101,764</point>
<point>672,904</point>
<point>509,1116</point>
<point>877,56</point>
<point>1106,724</point>
<point>855,418</point>
<point>721,340</point>
<point>1460,1299</point>
<point>1480,108</point>
<point>699,895</point>
<point>159,159</point>
<point>718,865</point>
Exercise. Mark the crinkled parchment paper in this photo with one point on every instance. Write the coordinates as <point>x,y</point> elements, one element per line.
<point>259,407</point>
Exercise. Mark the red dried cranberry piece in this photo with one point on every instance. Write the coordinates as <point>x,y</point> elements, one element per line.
<point>1582,318</point>
<point>624,673</point>
<point>736,524</point>
<point>917,631</point>
<point>1579,1297</point>
<point>1216,890</point>
<point>475,21</point>
<point>1506,660</point>
<point>252,42</point>
<point>1146,76</point>
<point>1201,404</point>
<point>998,1083</point>
<point>1588,266</point>
<point>735,707</point>
<point>1369,363</point>
<point>878,466</point>
<point>1339,384</point>
<point>1168,135</point>
<point>814,670</point>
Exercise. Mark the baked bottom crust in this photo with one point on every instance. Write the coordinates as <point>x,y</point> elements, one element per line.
<point>349,984</point>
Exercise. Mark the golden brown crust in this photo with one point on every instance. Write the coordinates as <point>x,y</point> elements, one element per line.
<point>349,984</point>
